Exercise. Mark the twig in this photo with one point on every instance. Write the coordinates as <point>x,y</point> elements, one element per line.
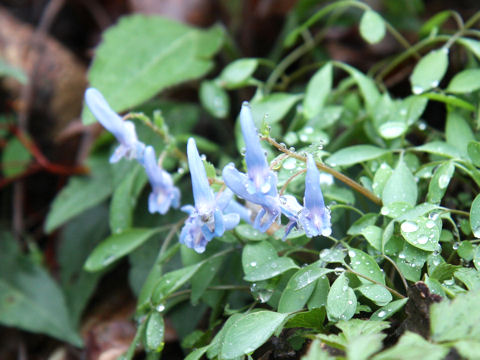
<point>343,178</point>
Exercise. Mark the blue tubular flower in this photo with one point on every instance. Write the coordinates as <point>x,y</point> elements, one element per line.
<point>164,194</point>
<point>206,219</point>
<point>315,217</point>
<point>124,131</point>
<point>259,185</point>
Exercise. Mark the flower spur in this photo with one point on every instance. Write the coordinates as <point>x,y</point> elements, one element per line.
<point>124,131</point>
<point>259,184</point>
<point>164,194</point>
<point>206,219</point>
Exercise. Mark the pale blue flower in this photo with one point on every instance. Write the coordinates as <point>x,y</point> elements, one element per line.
<point>315,217</point>
<point>124,131</point>
<point>259,185</point>
<point>164,194</point>
<point>206,219</point>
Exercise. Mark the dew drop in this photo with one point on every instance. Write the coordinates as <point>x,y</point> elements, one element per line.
<point>409,227</point>
<point>418,90</point>
<point>381,314</point>
<point>422,239</point>
<point>455,245</point>
<point>443,181</point>
<point>430,224</point>
<point>160,308</point>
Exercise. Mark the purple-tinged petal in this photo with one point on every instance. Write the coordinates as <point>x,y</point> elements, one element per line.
<point>254,155</point>
<point>192,235</point>
<point>313,193</point>
<point>234,207</point>
<point>103,112</point>
<point>202,193</point>
<point>231,220</point>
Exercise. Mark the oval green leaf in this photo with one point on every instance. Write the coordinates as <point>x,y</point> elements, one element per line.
<point>117,246</point>
<point>422,233</point>
<point>154,332</point>
<point>475,217</point>
<point>401,186</point>
<point>355,154</point>
<point>429,71</point>
<point>249,332</point>
<point>237,73</point>
<point>318,88</point>
<point>439,183</point>
<point>372,27</point>
<point>465,81</point>
<point>214,99</point>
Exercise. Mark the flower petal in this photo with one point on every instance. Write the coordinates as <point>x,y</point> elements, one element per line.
<point>313,193</point>
<point>103,112</point>
<point>201,188</point>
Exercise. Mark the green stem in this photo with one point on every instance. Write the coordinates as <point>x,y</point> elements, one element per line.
<point>343,178</point>
<point>392,291</point>
<point>404,281</point>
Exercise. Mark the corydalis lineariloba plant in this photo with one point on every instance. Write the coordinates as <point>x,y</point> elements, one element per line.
<point>402,207</point>
<point>207,219</point>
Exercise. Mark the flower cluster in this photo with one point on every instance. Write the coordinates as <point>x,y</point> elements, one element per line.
<point>214,213</point>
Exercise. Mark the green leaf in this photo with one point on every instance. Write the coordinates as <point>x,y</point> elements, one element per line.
<point>172,281</point>
<point>458,132</point>
<point>475,217</point>
<point>248,233</point>
<point>469,277</point>
<point>318,89</point>
<point>388,310</point>
<point>257,254</point>
<point>117,246</point>
<point>80,194</point>
<point>362,347</point>
<point>457,319</point>
<point>401,186</point>
<point>413,346</point>
<point>272,108</point>
<point>300,287</point>
<point>440,148</point>
<point>312,319</point>
<point>364,264</point>
<point>154,332</point>
<point>341,300</point>
<point>449,100</point>
<point>319,296</point>
<point>434,23</point>
<point>360,224</point>
<point>396,209</point>
<point>429,71</point>
<point>472,45</point>
<point>237,73</point>
<point>366,85</point>
<point>15,158</point>
<point>124,199</point>
<point>465,81</point>
<point>29,298</point>
<point>468,349</point>
<point>378,294</point>
<point>355,154</point>
<point>439,183</point>
<point>204,276</point>
<point>443,271</point>
<point>249,332</point>
<point>373,234</point>
<point>380,179</point>
<point>372,27</point>
<point>129,69</point>
<point>214,99</point>
<point>422,233</point>
<point>316,351</point>
<point>270,269</point>
<point>77,240</point>
<point>197,353</point>
<point>473,150</point>
<point>12,71</point>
